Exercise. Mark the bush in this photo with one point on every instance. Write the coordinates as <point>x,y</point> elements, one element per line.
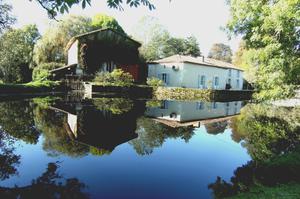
<point>154,82</point>
<point>41,72</point>
<point>116,78</point>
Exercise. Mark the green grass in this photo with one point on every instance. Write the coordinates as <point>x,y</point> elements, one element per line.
<point>36,86</point>
<point>289,191</point>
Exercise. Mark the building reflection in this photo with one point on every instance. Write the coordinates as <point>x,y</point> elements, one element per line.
<point>180,111</point>
<point>102,123</point>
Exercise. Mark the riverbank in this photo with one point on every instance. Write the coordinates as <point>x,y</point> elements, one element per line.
<point>165,93</point>
<point>31,88</point>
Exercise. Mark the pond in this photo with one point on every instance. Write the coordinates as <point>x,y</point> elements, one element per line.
<point>57,147</point>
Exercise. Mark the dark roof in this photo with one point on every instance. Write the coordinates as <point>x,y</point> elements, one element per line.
<point>196,60</point>
<point>126,37</point>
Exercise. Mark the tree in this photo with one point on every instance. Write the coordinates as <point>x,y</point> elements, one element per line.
<point>51,47</point>
<point>62,6</point>
<point>221,52</point>
<point>158,43</point>
<point>173,46</point>
<point>5,16</point>
<point>105,21</point>
<point>16,51</point>
<point>271,32</point>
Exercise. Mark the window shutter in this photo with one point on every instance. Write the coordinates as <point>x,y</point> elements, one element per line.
<point>168,79</point>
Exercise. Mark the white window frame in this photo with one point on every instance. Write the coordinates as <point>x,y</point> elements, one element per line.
<point>214,82</point>
<point>201,84</point>
<point>229,72</point>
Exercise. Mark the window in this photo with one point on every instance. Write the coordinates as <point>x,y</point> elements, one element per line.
<point>214,105</point>
<point>229,81</point>
<point>238,74</point>
<point>216,82</point>
<point>200,105</point>
<point>202,81</point>
<point>164,105</point>
<point>229,72</point>
<point>110,66</point>
<point>165,78</point>
<point>237,83</point>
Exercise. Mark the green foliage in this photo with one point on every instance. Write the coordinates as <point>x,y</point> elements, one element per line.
<point>41,72</point>
<point>220,51</point>
<point>51,47</point>
<point>289,191</point>
<point>16,49</point>
<point>162,93</point>
<point>271,34</point>
<point>154,82</point>
<point>104,21</point>
<point>6,20</point>
<point>116,78</point>
<point>55,7</point>
<point>116,106</point>
<point>158,43</point>
<point>98,152</point>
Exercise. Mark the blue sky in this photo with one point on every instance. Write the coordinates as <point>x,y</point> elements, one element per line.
<point>201,18</point>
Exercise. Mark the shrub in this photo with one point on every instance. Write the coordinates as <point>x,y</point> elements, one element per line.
<point>41,72</point>
<point>154,82</point>
<point>116,78</point>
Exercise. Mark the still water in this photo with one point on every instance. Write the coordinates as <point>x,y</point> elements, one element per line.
<point>123,148</point>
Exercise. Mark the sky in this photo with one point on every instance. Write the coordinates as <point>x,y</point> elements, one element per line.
<point>182,18</point>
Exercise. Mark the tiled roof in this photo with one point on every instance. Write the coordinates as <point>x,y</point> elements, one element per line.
<point>102,31</point>
<point>196,60</point>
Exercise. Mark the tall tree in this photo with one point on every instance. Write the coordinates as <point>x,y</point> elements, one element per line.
<point>158,42</point>
<point>62,6</point>
<point>16,50</point>
<point>221,52</point>
<point>5,16</point>
<point>271,32</point>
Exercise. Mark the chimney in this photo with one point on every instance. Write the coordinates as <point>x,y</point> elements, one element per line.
<point>202,58</point>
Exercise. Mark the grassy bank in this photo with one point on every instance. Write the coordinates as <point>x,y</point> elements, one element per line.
<point>289,191</point>
<point>31,87</point>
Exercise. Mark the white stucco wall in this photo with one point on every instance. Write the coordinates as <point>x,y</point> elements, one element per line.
<point>191,111</point>
<point>175,76</point>
<point>73,53</point>
<point>188,75</point>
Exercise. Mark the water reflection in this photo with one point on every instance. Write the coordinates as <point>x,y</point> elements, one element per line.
<point>49,185</point>
<point>161,141</point>
<point>272,138</point>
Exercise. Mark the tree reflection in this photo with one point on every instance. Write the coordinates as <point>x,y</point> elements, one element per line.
<point>49,185</point>
<point>271,136</point>
<point>152,134</point>
<point>16,119</point>
<point>216,127</point>
<point>8,160</point>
